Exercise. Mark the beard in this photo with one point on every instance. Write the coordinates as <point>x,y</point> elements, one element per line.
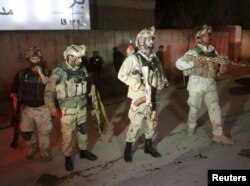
<point>146,49</point>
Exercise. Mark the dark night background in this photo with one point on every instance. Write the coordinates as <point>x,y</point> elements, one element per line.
<point>191,14</point>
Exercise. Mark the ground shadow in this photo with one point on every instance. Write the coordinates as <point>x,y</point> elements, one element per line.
<point>236,106</point>
<point>117,113</point>
<point>172,114</point>
<point>242,89</point>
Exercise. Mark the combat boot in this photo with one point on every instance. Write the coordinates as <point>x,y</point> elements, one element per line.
<point>148,149</point>
<point>127,152</point>
<point>45,154</point>
<point>222,139</point>
<point>68,163</point>
<point>33,149</point>
<point>88,155</point>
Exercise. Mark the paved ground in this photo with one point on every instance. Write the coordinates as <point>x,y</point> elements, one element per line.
<point>185,160</point>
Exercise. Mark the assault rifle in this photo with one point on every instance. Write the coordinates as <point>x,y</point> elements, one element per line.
<point>222,60</point>
<point>99,114</point>
<point>150,112</point>
<point>15,121</point>
<point>145,73</point>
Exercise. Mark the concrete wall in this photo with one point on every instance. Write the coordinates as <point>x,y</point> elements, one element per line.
<point>52,43</point>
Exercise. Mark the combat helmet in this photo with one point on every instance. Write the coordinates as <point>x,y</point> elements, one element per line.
<point>74,50</point>
<point>145,33</point>
<point>35,53</point>
<point>205,30</point>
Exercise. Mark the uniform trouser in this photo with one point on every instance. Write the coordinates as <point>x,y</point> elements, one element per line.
<point>212,102</point>
<point>37,118</point>
<point>136,116</point>
<point>73,119</point>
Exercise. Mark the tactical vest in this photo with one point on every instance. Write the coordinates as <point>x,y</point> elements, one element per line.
<point>156,76</point>
<point>72,84</point>
<point>31,88</point>
<point>208,70</point>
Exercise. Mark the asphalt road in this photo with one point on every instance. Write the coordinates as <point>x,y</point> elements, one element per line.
<point>185,160</point>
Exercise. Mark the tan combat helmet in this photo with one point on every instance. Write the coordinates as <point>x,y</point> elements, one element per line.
<point>205,30</point>
<point>34,55</point>
<point>145,33</point>
<point>75,50</point>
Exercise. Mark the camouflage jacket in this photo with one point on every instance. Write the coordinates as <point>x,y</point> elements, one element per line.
<point>67,87</point>
<point>201,78</point>
<point>130,73</point>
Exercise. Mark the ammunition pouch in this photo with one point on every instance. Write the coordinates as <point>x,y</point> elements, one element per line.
<point>82,128</point>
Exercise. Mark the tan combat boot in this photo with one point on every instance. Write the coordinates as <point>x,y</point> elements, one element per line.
<point>32,151</point>
<point>222,139</point>
<point>45,154</point>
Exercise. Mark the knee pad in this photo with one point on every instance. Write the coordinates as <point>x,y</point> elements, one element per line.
<point>82,128</point>
<point>26,135</point>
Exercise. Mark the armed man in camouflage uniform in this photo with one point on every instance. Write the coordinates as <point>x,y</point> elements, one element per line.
<point>68,85</point>
<point>28,89</point>
<point>143,73</point>
<point>202,84</point>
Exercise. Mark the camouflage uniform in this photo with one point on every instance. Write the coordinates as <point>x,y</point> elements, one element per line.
<point>67,87</point>
<point>143,74</point>
<point>37,117</point>
<point>131,74</point>
<point>28,87</point>
<point>202,86</point>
